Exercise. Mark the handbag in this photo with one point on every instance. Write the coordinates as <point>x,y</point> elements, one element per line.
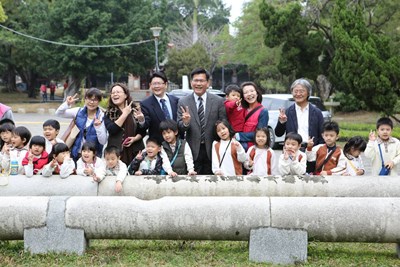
<point>71,133</point>
<point>384,171</point>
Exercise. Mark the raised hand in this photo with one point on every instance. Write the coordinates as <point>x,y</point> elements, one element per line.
<point>310,142</point>
<point>72,99</point>
<point>138,114</point>
<point>128,108</point>
<point>282,115</point>
<point>30,156</point>
<point>185,115</point>
<point>139,156</point>
<point>53,163</point>
<point>97,121</point>
<point>372,136</point>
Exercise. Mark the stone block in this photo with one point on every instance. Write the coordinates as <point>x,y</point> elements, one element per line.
<point>278,246</point>
<point>55,236</point>
<point>40,110</point>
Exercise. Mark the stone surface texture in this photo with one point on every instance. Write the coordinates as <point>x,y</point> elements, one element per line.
<point>278,246</point>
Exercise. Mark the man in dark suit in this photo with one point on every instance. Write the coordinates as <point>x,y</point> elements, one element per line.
<point>301,117</point>
<point>159,106</point>
<point>197,115</point>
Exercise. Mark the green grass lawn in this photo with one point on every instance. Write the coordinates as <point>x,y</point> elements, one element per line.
<point>195,253</point>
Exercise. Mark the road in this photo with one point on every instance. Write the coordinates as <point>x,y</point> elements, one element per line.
<point>34,122</point>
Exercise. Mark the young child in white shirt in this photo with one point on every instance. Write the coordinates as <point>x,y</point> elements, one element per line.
<point>113,167</point>
<point>60,162</point>
<point>51,128</point>
<point>227,154</point>
<point>260,157</point>
<point>352,151</point>
<point>19,140</point>
<point>6,132</point>
<point>88,163</point>
<point>292,161</point>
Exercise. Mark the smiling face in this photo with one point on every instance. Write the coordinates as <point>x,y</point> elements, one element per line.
<point>300,95</point>
<point>88,156</point>
<point>292,145</point>
<point>233,96</point>
<point>17,141</point>
<point>6,136</point>
<point>61,156</point>
<point>92,103</point>
<point>37,150</point>
<point>199,83</point>
<point>223,132</point>
<point>118,96</point>
<point>158,87</point>
<point>384,132</point>
<point>50,133</point>
<point>250,94</point>
<point>152,149</point>
<point>169,136</point>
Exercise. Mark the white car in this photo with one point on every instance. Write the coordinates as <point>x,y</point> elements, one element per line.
<point>273,102</point>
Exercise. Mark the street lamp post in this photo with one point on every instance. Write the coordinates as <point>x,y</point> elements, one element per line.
<point>156,34</point>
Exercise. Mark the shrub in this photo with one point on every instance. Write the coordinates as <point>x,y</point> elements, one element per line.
<point>348,102</point>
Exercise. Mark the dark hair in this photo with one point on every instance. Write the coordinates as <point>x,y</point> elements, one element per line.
<point>259,94</point>
<point>200,71</point>
<point>7,127</point>
<point>384,121</point>
<point>227,125</point>
<point>37,140</point>
<point>57,149</point>
<point>357,143</point>
<point>330,126</point>
<point>160,75</point>
<point>153,140</point>
<point>266,131</point>
<point>94,92</point>
<point>24,133</point>
<point>232,88</point>
<point>7,121</point>
<point>126,91</point>
<point>53,123</point>
<point>294,136</point>
<point>89,146</point>
<point>168,125</point>
<point>112,150</point>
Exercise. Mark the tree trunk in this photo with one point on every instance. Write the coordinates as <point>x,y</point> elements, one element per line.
<point>195,34</point>
<point>29,78</point>
<point>11,81</point>
<point>74,83</point>
<point>324,87</point>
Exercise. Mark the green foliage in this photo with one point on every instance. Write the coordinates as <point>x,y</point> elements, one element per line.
<point>348,102</point>
<point>363,64</point>
<point>182,62</point>
<point>348,130</point>
<point>3,16</point>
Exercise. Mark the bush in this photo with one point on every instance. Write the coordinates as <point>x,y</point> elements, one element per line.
<point>348,102</point>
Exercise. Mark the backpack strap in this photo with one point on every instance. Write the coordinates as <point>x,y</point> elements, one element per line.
<point>252,112</point>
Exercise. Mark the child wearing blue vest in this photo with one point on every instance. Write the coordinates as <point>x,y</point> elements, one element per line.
<point>177,150</point>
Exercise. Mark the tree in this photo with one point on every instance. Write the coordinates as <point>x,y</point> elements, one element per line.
<point>182,62</point>
<point>364,63</point>
<point>3,16</point>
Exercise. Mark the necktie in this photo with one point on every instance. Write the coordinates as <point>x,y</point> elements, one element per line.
<point>165,109</point>
<point>200,111</point>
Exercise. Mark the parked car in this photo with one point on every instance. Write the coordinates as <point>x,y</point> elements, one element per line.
<point>184,92</point>
<point>273,102</point>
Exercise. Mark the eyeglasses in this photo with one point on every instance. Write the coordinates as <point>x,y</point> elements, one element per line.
<point>157,84</point>
<point>199,81</point>
<point>117,93</point>
<point>93,100</point>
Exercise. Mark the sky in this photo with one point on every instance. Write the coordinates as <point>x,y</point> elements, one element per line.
<point>236,10</point>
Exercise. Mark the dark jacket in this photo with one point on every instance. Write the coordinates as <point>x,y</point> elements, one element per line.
<point>315,122</point>
<point>179,164</point>
<point>135,164</point>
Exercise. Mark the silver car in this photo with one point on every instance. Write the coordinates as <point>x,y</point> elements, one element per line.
<point>273,102</point>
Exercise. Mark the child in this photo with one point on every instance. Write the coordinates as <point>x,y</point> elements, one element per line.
<point>6,130</point>
<point>328,157</point>
<point>151,161</point>
<point>178,150</point>
<point>36,157</point>
<point>352,150</point>
<point>233,107</point>
<point>60,162</point>
<point>51,128</point>
<point>383,150</point>
<point>114,167</point>
<point>260,157</point>
<point>88,163</point>
<point>227,153</point>
<point>19,139</point>
<point>292,161</point>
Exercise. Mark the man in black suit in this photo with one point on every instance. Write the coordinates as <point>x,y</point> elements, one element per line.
<point>198,117</point>
<point>159,106</point>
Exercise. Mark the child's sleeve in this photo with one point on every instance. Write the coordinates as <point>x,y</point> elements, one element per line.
<point>284,165</point>
<point>341,165</point>
<point>101,131</point>
<point>80,167</point>
<point>188,158</point>
<point>123,172</point>
<point>28,168</point>
<point>299,167</point>
<point>311,153</point>
<point>246,164</point>
<point>134,166</point>
<point>47,170</point>
<point>166,164</point>
<point>396,159</point>
<point>67,168</point>
<point>214,159</point>
<point>370,151</point>
<point>241,153</point>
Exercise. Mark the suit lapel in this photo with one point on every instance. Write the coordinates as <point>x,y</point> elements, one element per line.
<point>173,108</point>
<point>193,107</point>
<point>294,118</point>
<point>209,103</point>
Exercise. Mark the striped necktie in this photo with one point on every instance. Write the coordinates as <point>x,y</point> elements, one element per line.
<point>200,111</point>
<point>165,109</point>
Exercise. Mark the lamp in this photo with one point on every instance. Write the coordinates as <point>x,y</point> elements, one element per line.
<point>156,34</point>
